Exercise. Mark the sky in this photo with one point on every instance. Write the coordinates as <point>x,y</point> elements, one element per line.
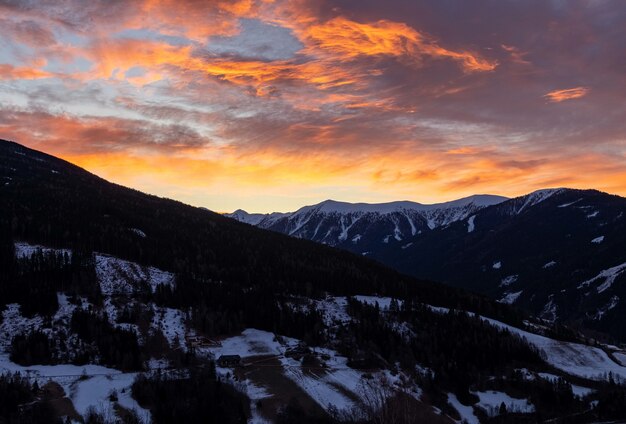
<point>269,105</point>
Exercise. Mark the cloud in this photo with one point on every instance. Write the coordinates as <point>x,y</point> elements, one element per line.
<point>88,134</point>
<point>306,100</point>
<point>10,72</point>
<point>351,39</point>
<point>558,96</point>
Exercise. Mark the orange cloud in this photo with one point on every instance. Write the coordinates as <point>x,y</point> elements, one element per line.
<point>558,96</point>
<point>517,56</point>
<point>224,177</point>
<point>386,38</point>
<point>196,20</point>
<point>161,60</point>
<point>10,72</point>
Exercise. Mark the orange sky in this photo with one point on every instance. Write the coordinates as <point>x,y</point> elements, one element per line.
<point>268,105</point>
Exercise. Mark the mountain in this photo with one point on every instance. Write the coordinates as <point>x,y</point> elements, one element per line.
<point>558,253</point>
<point>118,306</point>
<point>362,227</point>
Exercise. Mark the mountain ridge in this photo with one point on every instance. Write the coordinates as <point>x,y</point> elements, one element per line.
<point>534,251</point>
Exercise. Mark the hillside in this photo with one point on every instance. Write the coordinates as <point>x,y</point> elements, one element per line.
<point>155,311</point>
<point>557,253</point>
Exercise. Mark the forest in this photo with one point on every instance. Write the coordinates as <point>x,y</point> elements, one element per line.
<point>232,276</point>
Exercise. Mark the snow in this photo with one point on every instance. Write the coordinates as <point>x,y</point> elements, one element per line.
<point>345,228</point>
<point>606,308</point>
<point>138,232</point>
<point>254,218</point>
<point>255,393</point>
<point>120,277</point>
<point>171,322</point>
<point>94,392</point>
<point>497,265</point>
<point>333,206</point>
<point>593,214</point>
<point>573,358</point>
<point>491,400</point>
<point>608,275</point>
<point>333,309</point>
<point>581,391</point>
<point>549,265</point>
<point>26,250</point>
<point>335,385</point>
<point>621,357</point>
<point>13,323</point>
<point>406,246</point>
<point>356,238</point>
<point>466,412</point>
<point>410,221</point>
<point>564,205</point>
<point>507,281</point>
<point>548,376</point>
<point>537,197</point>
<point>549,310</point>
<point>598,240</point>
<point>470,223</point>
<point>85,385</point>
<point>383,302</point>
<point>251,342</point>
<point>510,298</point>
<point>346,214</point>
<point>316,386</point>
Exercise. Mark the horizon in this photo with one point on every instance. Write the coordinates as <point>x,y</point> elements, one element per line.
<point>268,106</point>
<point>325,200</point>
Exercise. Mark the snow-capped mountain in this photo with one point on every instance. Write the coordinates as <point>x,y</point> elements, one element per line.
<point>558,252</point>
<point>119,305</point>
<point>359,226</point>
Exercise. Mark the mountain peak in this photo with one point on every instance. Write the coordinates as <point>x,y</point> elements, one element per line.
<point>335,206</point>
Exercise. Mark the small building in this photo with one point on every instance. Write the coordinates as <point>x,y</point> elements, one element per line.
<point>229,361</point>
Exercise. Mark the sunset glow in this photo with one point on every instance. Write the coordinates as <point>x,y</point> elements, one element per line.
<point>268,105</point>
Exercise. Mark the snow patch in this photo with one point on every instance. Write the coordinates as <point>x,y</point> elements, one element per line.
<point>466,412</point>
<point>510,298</point>
<point>384,303</point>
<point>491,400</point>
<point>171,322</point>
<point>24,250</point>
<point>606,308</point>
<point>138,232</point>
<point>120,277</point>
<point>609,276</point>
<point>507,281</point>
<point>564,205</point>
<point>85,385</point>
<point>537,197</point>
<point>470,224</point>
<point>549,310</point>
<point>598,240</point>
